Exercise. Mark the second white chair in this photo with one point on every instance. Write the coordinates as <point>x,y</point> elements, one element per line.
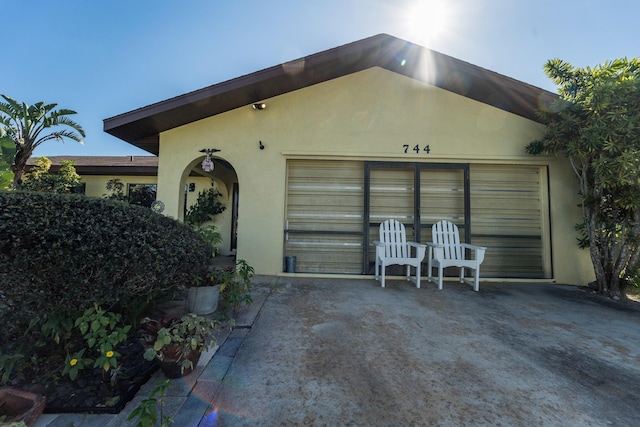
<point>447,251</point>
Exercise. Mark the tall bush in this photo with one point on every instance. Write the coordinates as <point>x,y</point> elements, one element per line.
<point>69,252</point>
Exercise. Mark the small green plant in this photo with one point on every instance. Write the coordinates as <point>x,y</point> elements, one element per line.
<point>211,235</point>
<point>177,338</point>
<point>146,412</point>
<point>101,332</point>
<point>9,362</point>
<point>235,285</point>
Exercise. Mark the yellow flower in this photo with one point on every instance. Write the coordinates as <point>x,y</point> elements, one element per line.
<point>109,354</point>
<point>73,362</point>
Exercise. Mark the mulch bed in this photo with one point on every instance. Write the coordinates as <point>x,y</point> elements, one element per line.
<point>95,391</point>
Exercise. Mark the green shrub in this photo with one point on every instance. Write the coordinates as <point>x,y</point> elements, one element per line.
<point>68,253</point>
<point>205,208</point>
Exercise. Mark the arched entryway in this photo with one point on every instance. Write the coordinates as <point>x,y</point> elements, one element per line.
<point>223,178</point>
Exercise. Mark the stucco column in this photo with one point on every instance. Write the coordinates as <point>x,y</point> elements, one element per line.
<point>172,172</point>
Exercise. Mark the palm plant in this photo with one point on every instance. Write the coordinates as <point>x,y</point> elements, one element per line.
<point>24,125</point>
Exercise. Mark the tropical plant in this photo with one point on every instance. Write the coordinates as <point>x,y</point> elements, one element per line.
<point>40,179</point>
<point>210,234</point>
<point>206,206</point>
<point>7,152</point>
<point>235,285</point>
<point>595,123</point>
<point>26,125</point>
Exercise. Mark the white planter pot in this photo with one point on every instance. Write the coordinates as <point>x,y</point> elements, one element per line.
<point>203,299</point>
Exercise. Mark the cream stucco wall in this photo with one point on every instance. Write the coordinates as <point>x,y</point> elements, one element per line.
<point>368,115</point>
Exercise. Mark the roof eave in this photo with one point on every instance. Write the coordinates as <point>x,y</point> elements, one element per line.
<point>141,127</point>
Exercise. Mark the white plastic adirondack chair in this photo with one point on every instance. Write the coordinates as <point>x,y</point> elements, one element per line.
<point>393,249</point>
<point>447,251</point>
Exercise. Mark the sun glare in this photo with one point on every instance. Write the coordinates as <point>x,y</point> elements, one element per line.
<point>428,20</point>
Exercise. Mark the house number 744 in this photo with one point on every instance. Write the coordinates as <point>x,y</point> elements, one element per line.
<point>417,149</point>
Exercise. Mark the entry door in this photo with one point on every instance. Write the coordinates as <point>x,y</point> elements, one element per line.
<point>417,195</point>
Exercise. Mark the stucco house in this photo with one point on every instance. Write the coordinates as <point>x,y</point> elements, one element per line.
<point>311,155</point>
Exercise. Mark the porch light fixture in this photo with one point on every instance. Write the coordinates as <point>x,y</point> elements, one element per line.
<point>207,163</point>
<point>259,106</point>
<point>261,145</point>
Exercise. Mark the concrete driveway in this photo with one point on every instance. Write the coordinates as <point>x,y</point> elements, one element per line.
<point>347,352</point>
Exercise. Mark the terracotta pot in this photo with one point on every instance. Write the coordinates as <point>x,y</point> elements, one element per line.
<point>171,363</point>
<point>17,405</point>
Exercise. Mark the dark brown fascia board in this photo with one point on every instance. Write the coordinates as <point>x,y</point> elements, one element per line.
<point>142,127</point>
<point>104,165</point>
<point>115,170</point>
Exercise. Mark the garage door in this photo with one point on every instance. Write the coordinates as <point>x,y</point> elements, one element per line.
<point>510,216</point>
<point>330,204</point>
<point>324,211</point>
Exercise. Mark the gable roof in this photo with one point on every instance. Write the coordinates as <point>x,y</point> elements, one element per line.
<point>142,127</point>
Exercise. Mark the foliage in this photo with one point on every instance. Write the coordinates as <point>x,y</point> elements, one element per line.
<point>179,336</point>
<point>206,206</point>
<point>40,179</point>
<point>102,331</point>
<point>211,235</point>
<point>7,152</point>
<point>235,285</point>
<point>595,122</point>
<point>116,187</point>
<point>91,339</point>
<point>146,412</point>
<point>69,252</point>
<point>24,125</point>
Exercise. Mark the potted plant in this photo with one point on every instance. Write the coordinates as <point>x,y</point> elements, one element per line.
<point>203,295</point>
<point>177,343</point>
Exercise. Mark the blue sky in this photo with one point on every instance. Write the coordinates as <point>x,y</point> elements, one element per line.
<point>104,58</point>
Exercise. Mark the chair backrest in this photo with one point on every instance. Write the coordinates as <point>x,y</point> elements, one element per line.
<point>393,235</point>
<point>446,233</point>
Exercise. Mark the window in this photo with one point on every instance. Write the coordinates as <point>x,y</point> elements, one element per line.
<point>142,194</point>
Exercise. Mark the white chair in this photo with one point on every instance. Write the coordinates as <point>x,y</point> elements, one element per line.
<point>447,251</point>
<point>393,249</point>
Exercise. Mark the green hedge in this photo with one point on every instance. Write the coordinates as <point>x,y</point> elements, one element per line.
<point>67,252</point>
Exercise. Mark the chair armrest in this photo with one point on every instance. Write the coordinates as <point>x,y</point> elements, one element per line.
<point>416,245</point>
<point>479,250</point>
<point>473,247</point>
<point>437,250</point>
<point>420,249</point>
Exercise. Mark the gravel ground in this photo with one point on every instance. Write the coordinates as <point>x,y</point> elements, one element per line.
<point>347,352</point>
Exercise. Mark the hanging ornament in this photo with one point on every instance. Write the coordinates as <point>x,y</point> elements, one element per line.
<point>207,164</point>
